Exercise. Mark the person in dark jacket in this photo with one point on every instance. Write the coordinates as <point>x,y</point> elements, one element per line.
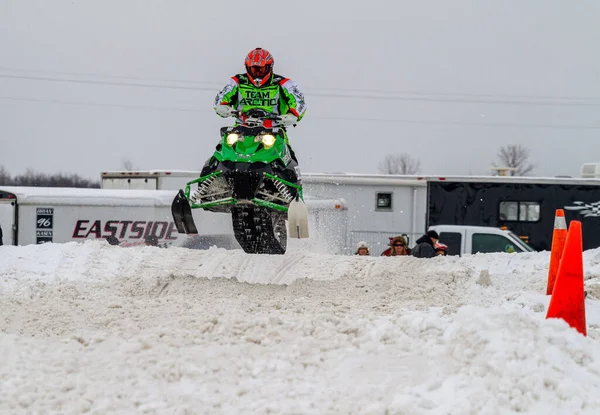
<point>425,245</point>
<point>1,236</point>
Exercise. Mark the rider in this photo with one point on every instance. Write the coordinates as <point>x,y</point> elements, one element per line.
<point>260,88</point>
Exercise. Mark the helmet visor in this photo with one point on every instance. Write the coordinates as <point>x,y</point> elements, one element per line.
<point>259,71</point>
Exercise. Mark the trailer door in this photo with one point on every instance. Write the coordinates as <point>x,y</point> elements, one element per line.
<point>7,221</point>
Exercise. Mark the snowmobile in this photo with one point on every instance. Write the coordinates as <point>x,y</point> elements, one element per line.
<point>253,174</point>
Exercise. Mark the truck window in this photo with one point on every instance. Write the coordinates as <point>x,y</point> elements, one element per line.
<point>485,242</point>
<point>453,240</point>
<point>522,244</point>
<point>519,211</point>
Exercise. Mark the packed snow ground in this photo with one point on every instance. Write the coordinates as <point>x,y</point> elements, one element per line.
<point>92,328</point>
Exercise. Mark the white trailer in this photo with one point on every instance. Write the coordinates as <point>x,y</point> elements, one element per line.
<point>382,206</point>
<point>32,215</point>
<point>379,206</point>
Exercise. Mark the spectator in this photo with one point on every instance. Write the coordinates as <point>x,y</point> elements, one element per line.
<point>425,244</point>
<point>397,247</point>
<point>1,243</point>
<point>441,249</point>
<point>388,250</point>
<point>362,248</point>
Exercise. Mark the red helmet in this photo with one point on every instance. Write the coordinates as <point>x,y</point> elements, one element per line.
<point>259,66</point>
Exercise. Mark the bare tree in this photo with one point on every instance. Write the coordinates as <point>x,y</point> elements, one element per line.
<point>127,165</point>
<point>399,163</point>
<point>5,178</point>
<point>516,157</point>
<point>33,178</point>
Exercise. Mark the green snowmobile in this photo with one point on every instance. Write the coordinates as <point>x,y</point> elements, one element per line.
<point>253,174</point>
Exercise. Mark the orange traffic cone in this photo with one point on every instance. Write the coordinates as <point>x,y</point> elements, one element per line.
<point>567,301</point>
<point>559,235</point>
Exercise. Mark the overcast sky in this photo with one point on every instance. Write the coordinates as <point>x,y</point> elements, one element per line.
<point>448,82</point>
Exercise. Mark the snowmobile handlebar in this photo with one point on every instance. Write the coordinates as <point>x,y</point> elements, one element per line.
<point>255,117</point>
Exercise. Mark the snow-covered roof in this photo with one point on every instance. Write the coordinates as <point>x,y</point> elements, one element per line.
<point>375,179</point>
<point>361,179</point>
<point>395,179</point>
<point>96,197</point>
<point>150,173</point>
<point>110,197</point>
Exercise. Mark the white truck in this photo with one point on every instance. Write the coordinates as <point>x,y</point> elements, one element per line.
<point>463,240</point>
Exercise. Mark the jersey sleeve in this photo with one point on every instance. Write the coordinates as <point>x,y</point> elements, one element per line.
<point>228,95</point>
<point>294,98</point>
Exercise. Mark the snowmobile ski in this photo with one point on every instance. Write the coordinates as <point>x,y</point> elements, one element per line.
<point>298,219</point>
<point>182,214</point>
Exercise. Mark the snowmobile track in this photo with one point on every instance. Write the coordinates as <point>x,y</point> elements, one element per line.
<point>254,231</point>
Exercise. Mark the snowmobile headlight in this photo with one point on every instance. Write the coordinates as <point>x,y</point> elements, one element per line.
<point>232,138</point>
<point>268,140</point>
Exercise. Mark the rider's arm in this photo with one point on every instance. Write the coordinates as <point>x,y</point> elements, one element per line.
<point>294,98</point>
<point>225,100</point>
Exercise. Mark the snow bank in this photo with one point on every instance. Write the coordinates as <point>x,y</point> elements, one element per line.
<point>101,329</point>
